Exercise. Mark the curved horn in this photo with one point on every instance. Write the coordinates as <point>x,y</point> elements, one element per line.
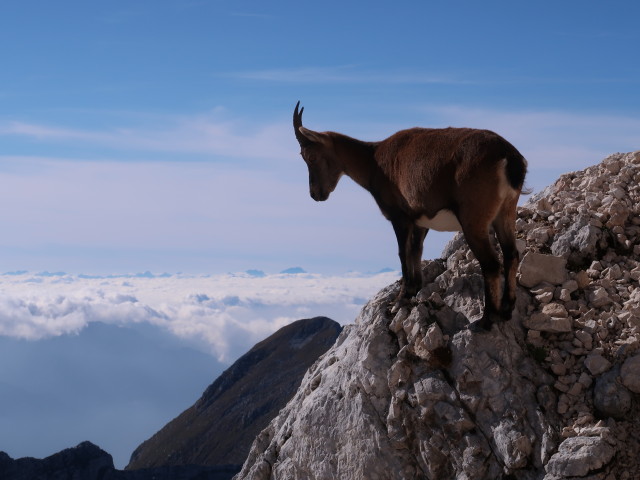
<point>297,123</point>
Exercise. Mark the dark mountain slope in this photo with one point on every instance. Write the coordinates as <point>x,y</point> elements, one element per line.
<point>219,428</point>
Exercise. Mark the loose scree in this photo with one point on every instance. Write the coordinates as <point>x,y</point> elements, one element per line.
<point>447,179</point>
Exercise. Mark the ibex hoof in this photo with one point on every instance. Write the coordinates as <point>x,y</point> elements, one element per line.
<point>483,325</point>
<point>400,302</point>
<point>506,309</point>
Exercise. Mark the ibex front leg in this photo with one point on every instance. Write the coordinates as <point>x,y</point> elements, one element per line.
<point>410,241</point>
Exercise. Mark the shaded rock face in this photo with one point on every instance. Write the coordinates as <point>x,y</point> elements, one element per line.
<point>415,394</point>
<point>88,462</point>
<point>219,428</point>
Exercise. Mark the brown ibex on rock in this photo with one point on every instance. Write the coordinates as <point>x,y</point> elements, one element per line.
<point>448,179</point>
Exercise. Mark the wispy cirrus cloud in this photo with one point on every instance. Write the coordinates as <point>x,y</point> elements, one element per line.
<point>201,134</point>
<point>560,141</point>
<point>350,74</point>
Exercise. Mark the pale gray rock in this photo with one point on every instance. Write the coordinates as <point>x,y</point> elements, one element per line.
<point>467,409</point>
<point>597,364</point>
<point>542,322</point>
<point>579,243</point>
<point>536,268</point>
<point>599,298</point>
<point>630,373</point>
<point>416,394</point>
<point>577,456</point>
<point>555,310</point>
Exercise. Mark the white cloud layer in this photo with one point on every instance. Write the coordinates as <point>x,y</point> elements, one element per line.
<point>225,314</point>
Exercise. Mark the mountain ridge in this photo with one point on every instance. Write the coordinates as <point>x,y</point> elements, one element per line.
<point>220,426</point>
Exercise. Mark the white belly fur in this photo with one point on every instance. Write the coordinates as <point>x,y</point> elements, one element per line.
<point>444,221</point>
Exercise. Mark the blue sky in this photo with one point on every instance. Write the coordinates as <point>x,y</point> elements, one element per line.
<point>156,136</point>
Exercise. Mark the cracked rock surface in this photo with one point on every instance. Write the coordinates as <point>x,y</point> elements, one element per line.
<point>552,394</point>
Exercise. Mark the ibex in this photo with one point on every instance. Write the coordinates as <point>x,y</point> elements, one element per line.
<point>448,179</point>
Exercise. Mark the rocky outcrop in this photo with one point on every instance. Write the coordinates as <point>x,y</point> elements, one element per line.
<point>219,428</point>
<point>552,394</point>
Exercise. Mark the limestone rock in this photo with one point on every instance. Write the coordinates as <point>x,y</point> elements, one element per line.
<point>467,413</point>
<point>536,268</point>
<point>544,323</point>
<point>577,456</point>
<point>550,393</point>
<point>630,373</point>
<point>597,364</point>
<point>579,243</point>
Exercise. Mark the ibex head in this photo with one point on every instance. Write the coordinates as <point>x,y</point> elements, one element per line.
<point>317,150</point>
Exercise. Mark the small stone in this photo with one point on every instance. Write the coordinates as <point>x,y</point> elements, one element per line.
<point>577,456</point>
<point>630,373</point>
<point>585,380</point>
<point>593,274</point>
<point>396,324</point>
<point>534,338</point>
<point>614,272</point>
<point>433,339</point>
<point>565,295</point>
<point>585,339</point>
<point>597,364</point>
<point>582,279</point>
<point>538,235</point>
<point>575,390</point>
<point>545,297</point>
<point>536,268</point>
<point>563,408</point>
<point>570,285</point>
<point>596,265</point>
<point>555,310</point>
<point>590,326</point>
<point>544,323</point>
<point>436,299</point>
<point>398,373</point>
<point>599,298</point>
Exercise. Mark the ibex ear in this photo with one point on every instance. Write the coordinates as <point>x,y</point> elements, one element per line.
<point>312,136</point>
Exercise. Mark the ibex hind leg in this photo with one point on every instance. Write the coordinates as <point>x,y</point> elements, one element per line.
<point>505,226</point>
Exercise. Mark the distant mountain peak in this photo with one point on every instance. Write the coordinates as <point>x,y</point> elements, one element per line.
<point>294,270</point>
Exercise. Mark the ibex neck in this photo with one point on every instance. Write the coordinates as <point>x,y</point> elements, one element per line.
<point>357,158</point>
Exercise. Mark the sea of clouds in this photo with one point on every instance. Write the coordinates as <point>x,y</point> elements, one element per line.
<point>224,315</point>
